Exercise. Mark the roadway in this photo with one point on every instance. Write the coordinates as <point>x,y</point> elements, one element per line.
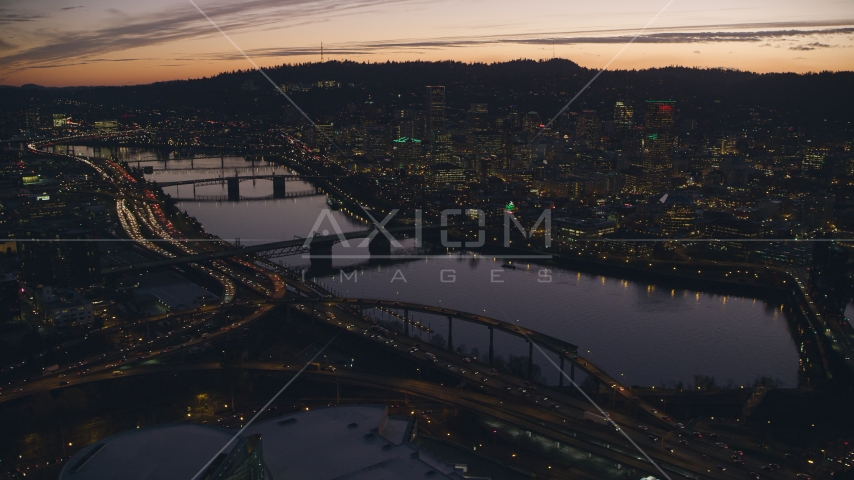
<point>218,180</point>
<point>454,362</point>
<point>564,425</point>
<point>564,349</point>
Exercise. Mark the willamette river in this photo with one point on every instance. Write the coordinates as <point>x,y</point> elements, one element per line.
<point>641,333</point>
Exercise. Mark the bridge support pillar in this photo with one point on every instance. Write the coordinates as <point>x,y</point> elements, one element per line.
<point>572,371</point>
<point>530,360</point>
<point>320,255</point>
<point>380,246</point>
<point>278,186</point>
<point>233,188</point>
<point>450,333</point>
<point>491,332</point>
<point>406,320</point>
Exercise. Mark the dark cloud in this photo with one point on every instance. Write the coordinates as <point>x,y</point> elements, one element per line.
<point>663,37</point>
<point>9,18</point>
<point>71,8</point>
<point>812,46</point>
<point>455,42</point>
<point>90,61</point>
<point>282,52</point>
<point>183,23</point>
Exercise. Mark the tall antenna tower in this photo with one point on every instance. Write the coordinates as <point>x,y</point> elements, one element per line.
<point>321,51</point>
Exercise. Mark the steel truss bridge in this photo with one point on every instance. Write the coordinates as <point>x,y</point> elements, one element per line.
<point>220,180</point>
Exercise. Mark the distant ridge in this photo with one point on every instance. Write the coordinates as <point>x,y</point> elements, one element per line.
<point>716,98</point>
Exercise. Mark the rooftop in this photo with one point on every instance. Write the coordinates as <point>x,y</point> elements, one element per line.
<point>358,442</point>
<point>158,453</point>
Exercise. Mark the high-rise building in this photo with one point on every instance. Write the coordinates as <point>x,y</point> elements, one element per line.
<point>623,117</point>
<point>658,145</point>
<point>678,217</point>
<point>587,126</point>
<point>532,122</point>
<point>323,135</point>
<point>375,146</point>
<point>659,116</point>
<point>442,146</point>
<point>60,120</point>
<point>813,160</point>
<point>477,119</point>
<point>435,108</point>
<point>409,123</point>
<point>487,143</point>
<point>406,151</point>
<point>369,113</point>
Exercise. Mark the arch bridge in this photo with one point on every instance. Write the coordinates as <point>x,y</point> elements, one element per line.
<point>565,350</point>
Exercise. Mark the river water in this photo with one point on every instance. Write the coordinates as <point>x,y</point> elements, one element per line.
<point>642,333</point>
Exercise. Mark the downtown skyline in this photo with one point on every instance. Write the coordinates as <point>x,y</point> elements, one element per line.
<point>57,43</point>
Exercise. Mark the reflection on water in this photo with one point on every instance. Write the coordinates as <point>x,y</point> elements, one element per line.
<point>640,333</point>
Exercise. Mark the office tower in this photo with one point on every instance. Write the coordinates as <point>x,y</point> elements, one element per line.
<point>813,160</point>
<point>60,120</point>
<point>407,123</point>
<point>487,143</point>
<point>407,151</point>
<point>374,143</point>
<point>658,145</point>
<point>659,116</point>
<point>532,122</point>
<point>623,117</point>
<point>323,135</point>
<point>442,146</point>
<point>369,113</point>
<point>477,118</point>
<point>435,108</point>
<point>587,126</point>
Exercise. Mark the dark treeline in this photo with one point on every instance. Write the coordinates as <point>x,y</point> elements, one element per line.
<point>717,98</point>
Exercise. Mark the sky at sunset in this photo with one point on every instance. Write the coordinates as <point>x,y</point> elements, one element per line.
<point>120,42</point>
